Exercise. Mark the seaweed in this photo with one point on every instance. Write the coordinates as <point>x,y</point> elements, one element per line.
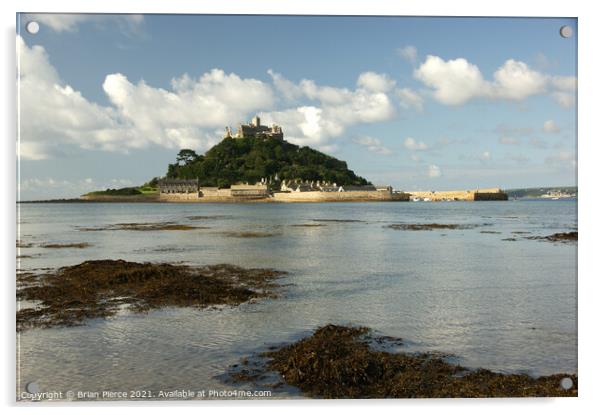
<point>79,245</point>
<point>207,217</point>
<point>248,234</point>
<point>158,226</point>
<point>557,237</point>
<point>340,220</point>
<point>339,362</point>
<point>307,225</point>
<point>92,289</point>
<point>428,226</point>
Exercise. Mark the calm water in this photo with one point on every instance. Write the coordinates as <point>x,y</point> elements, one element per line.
<point>506,305</point>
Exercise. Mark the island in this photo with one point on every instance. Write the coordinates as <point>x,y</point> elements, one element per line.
<point>256,164</point>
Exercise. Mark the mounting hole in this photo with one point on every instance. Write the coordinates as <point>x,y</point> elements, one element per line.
<point>566,383</point>
<point>566,31</point>
<point>32,387</point>
<point>33,27</point>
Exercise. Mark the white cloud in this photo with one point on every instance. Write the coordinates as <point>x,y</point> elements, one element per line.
<point>375,82</point>
<point>457,81</point>
<point>414,145</point>
<point>368,103</point>
<point>180,118</point>
<point>304,125</point>
<point>32,151</point>
<point>454,82</point>
<point>516,81</point>
<point>408,99</point>
<point>288,89</point>
<point>565,99</point>
<point>373,144</point>
<point>59,22</point>
<point>550,126</point>
<point>409,53</point>
<point>562,159</point>
<point>566,88</point>
<point>70,22</point>
<point>52,113</point>
<point>54,116</point>
<point>434,171</point>
<point>565,83</point>
<point>325,112</point>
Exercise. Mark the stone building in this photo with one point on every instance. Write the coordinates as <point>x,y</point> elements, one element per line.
<point>353,188</point>
<point>255,129</point>
<point>178,186</point>
<point>384,188</point>
<point>258,190</point>
<point>296,186</point>
<point>308,186</point>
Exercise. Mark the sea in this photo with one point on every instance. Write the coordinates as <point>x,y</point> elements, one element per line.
<point>485,295</point>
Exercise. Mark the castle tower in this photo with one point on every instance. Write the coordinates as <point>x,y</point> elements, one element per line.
<point>256,122</point>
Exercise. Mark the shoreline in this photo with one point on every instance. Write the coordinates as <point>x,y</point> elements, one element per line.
<point>279,198</point>
<point>181,196</point>
<point>228,200</point>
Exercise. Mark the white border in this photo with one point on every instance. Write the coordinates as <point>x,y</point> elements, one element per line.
<point>589,200</point>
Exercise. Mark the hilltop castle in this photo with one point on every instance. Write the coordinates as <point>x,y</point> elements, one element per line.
<point>254,129</point>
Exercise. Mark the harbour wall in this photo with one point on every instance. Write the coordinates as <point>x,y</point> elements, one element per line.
<point>285,197</point>
<point>179,197</point>
<point>462,195</point>
<point>352,196</point>
<point>223,196</point>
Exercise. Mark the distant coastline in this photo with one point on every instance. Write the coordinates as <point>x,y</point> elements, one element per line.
<point>551,193</point>
<point>566,193</point>
<point>146,194</point>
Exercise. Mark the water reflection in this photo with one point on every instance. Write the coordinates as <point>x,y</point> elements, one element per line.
<point>507,306</point>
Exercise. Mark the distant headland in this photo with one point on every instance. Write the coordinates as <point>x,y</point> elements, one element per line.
<point>256,164</point>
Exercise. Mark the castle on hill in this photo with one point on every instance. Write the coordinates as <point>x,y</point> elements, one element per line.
<point>254,129</point>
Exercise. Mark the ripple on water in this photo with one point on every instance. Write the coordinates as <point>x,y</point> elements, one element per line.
<point>470,294</point>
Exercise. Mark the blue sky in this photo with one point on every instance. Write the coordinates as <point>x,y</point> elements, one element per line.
<point>416,102</point>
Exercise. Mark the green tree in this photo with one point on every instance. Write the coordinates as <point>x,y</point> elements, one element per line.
<point>250,159</point>
<point>186,156</point>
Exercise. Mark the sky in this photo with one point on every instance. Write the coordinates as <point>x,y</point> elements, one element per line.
<point>420,103</point>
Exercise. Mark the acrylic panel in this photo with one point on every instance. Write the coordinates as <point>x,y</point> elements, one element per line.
<point>284,207</point>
